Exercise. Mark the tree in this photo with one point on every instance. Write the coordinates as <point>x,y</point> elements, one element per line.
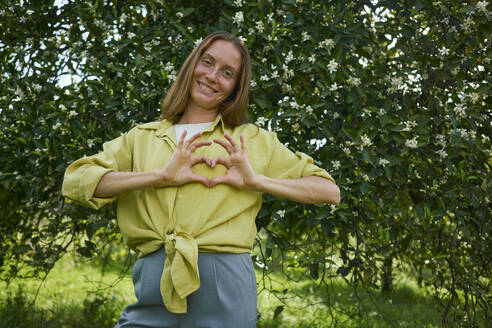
<point>392,97</point>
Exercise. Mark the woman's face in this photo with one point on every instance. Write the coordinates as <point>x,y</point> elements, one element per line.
<point>215,75</point>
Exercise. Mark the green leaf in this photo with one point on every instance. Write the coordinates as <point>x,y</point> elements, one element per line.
<point>314,270</point>
<point>277,311</point>
<point>187,11</point>
<point>364,187</point>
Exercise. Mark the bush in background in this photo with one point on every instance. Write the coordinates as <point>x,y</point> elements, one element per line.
<point>391,97</point>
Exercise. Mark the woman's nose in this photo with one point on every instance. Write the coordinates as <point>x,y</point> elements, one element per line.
<point>212,75</point>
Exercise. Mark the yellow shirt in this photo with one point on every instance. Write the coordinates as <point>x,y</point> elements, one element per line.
<point>191,217</point>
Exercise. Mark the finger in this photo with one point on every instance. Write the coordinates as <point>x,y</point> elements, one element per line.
<point>233,143</point>
<point>202,179</point>
<point>243,145</point>
<point>182,139</point>
<point>200,159</point>
<point>220,160</point>
<point>195,145</point>
<point>217,180</point>
<point>224,144</point>
<point>192,138</point>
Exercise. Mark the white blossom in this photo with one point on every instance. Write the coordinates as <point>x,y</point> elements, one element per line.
<point>19,92</point>
<point>281,213</point>
<point>312,59</point>
<point>482,6</point>
<point>463,133</point>
<point>346,151</point>
<point>411,143</point>
<point>442,153</point>
<point>198,41</point>
<point>305,36</point>
<point>260,27</point>
<point>460,110</point>
<point>355,81</point>
<point>468,25</point>
<point>332,66</point>
<point>443,51</point>
<point>396,83</point>
<point>441,140</point>
<point>409,125</point>
<point>383,162</point>
<point>295,105</point>
<point>328,43</point>
<point>238,18</point>
<point>335,164</point>
<point>131,35</point>
<point>238,3</point>
<point>72,113</point>
<point>261,121</point>
<point>287,71</point>
<point>474,97</point>
<point>169,67</point>
<point>309,109</point>
<point>334,87</point>
<point>365,140</point>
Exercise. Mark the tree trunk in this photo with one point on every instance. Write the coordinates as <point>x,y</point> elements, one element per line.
<point>387,277</point>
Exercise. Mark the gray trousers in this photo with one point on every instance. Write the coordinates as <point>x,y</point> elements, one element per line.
<point>226,297</point>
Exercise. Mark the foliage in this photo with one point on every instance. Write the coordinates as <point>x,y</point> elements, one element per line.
<point>392,97</point>
<point>81,293</point>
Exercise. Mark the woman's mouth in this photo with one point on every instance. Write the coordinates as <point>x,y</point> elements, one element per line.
<point>206,88</point>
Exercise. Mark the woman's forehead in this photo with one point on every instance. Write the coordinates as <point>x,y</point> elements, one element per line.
<point>225,53</point>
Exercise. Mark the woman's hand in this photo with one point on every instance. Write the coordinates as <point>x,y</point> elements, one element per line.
<point>178,170</point>
<point>239,174</point>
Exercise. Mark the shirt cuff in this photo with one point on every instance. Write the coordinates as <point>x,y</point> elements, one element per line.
<point>87,185</point>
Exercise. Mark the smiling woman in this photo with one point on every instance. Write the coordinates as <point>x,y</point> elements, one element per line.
<point>188,205</point>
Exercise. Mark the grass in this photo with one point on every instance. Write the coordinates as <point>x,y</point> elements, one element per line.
<point>77,294</point>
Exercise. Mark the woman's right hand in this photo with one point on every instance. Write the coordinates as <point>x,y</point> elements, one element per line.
<point>178,169</point>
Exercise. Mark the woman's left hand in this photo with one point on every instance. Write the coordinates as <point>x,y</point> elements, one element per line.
<point>240,174</point>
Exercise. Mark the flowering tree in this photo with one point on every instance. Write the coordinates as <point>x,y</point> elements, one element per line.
<point>391,97</point>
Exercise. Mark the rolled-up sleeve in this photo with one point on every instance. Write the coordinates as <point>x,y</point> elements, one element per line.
<point>82,176</point>
<point>285,163</point>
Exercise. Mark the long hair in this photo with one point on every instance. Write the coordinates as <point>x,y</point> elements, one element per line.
<point>234,109</point>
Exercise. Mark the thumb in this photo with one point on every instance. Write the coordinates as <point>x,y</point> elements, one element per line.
<point>202,179</point>
<point>217,180</point>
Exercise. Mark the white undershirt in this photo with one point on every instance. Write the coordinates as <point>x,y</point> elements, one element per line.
<point>191,129</point>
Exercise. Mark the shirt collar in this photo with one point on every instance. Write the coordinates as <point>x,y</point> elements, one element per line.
<point>165,129</point>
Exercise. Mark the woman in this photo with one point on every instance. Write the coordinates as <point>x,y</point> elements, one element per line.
<point>188,205</point>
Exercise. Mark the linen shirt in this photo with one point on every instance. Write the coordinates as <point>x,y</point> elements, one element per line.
<point>188,218</point>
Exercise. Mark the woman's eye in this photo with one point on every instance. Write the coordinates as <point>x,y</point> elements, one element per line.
<point>206,62</point>
<point>227,74</point>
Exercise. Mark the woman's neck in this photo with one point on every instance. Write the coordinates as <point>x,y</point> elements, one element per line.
<point>193,116</point>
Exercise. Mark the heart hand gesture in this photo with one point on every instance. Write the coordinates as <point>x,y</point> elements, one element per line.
<point>178,169</point>
<point>239,174</point>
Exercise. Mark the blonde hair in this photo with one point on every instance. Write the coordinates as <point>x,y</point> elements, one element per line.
<point>234,109</point>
